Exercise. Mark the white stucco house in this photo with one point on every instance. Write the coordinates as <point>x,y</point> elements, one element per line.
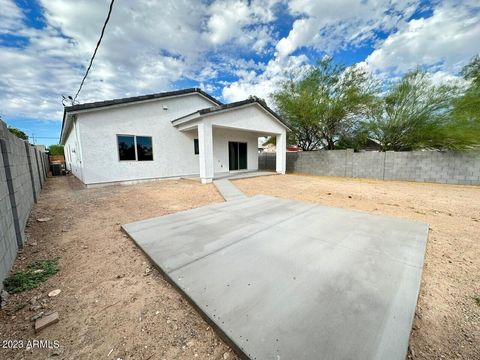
<point>181,133</point>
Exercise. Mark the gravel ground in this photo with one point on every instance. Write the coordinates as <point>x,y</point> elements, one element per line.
<point>447,319</point>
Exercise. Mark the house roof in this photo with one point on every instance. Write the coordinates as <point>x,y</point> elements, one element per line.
<point>212,110</point>
<point>133,99</point>
<point>198,113</point>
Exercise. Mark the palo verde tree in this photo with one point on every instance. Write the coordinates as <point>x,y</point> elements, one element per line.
<point>464,129</point>
<point>18,133</point>
<point>324,104</point>
<point>413,114</point>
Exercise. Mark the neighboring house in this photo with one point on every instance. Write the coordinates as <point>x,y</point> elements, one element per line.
<point>41,148</point>
<point>372,145</point>
<point>171,134</point>
<point>269,148</point>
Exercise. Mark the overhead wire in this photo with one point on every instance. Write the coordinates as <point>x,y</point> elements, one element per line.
<point>95,52</point>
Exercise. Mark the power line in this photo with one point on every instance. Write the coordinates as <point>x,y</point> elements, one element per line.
<point>95,52</point>
<point>43,137</point>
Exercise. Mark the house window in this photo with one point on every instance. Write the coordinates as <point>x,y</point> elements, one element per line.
<point>144,148</point>
<point>131,148</point>
<point>195,146</point>
<point>126,147</point>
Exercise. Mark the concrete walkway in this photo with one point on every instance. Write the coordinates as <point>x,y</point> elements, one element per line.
<point>281,279</point>
<point>244,174</point>
<point>228,190</point>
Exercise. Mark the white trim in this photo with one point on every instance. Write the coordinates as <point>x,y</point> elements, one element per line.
<point>197,116</point>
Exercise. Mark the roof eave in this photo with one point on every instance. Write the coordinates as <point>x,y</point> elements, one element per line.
<point>186,118</point>
<point>61,140</point>
<point>137,99</point>
<point>244,103</point>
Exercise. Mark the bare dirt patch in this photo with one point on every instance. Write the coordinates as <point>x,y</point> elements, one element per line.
<point>112,303</point>
<point>447,319</point>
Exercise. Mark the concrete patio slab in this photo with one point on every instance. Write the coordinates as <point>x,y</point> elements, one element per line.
<point>282,279</point>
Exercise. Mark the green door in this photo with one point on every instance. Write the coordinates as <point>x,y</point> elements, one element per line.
<point>237,155</point>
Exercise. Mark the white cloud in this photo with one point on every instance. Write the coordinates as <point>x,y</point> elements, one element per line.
<point>266,82</point>
<point>443,42</point>
<point>138,54</point>
<point>10,16</point>
<point>241,23</point>
<point>443,77</point>
<point>227,20</point>
<point>149,45</point>
<point>329,25</point>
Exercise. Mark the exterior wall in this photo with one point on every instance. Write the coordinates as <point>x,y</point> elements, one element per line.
<point>73,152</point>
<point>173,150</point>
<point>22,176</point>
<point>221,137</point>
<point>251,118</point>
<point>422,166</point>
<point>91,150</point>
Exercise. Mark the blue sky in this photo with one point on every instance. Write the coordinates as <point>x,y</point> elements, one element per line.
<point>231,49</point>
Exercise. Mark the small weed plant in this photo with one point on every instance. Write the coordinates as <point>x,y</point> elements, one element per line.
<point>36,273</point>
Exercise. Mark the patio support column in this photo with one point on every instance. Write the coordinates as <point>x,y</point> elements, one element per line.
<point>281,153</point>
<point>205,144</point>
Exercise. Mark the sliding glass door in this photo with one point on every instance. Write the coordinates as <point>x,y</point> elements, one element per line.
<point>237,155</point>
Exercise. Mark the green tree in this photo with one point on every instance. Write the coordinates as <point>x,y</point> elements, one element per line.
<point>415,114</point>
<point>465,124</point>
<point>271,140</point>
<point>471,72</point>
<point>325,104</point>
<point>56,150</point>
<point>18,133</point>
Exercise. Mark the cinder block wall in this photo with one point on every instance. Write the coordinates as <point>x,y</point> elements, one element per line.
<point>8,242</point>
<point>22,175</point>
<point>424,166</point>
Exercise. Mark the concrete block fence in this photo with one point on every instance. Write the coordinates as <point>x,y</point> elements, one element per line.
<point>23,171</point>
<point>422,166</point>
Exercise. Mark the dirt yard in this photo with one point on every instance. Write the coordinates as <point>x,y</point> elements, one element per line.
<point>114,305</point>
<point>447,320</point>
<point>111,298</point>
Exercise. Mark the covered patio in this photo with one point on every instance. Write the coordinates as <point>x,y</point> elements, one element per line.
<point>228,137</point>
